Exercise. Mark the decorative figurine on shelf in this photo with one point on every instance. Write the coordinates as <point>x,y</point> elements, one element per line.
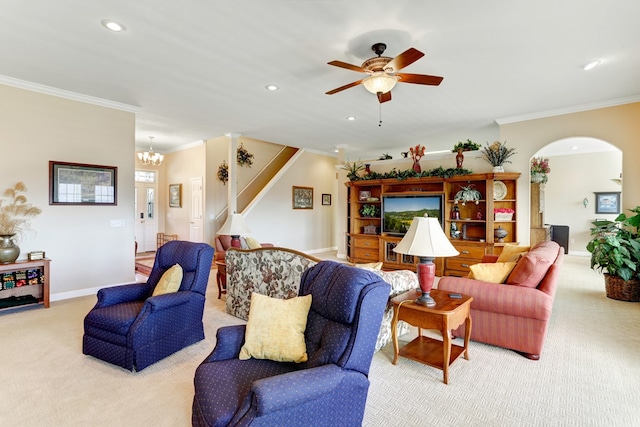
<point>479,215</point>
<point>500,233</point>
<point>455,233</point>
<point>455,212</point>
<point>459,159</point>
<point>417,153</point>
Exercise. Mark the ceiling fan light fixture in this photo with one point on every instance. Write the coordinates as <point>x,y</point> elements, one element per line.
<point>379,82</point>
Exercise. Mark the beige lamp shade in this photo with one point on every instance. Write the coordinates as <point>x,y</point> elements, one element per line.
<point>234,226</point>
<point>379,82</point>
<point>425,238</point>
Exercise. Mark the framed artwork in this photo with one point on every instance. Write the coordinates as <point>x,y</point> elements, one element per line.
<point>326,199</point>
<point>82,184</point>
<point>175,195</point>
<point>302,197</point>
<point>608,203</point>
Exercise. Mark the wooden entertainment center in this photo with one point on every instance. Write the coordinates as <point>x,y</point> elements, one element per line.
<point>368,242</point>
<point>24,283</point>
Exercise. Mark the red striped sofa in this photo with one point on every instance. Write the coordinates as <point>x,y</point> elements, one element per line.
<point>515,314</point>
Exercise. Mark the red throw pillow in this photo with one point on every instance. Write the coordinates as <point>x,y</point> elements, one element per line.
<point>529,271</point>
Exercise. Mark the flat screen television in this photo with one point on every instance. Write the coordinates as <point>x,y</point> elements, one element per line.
<point>398,210</point>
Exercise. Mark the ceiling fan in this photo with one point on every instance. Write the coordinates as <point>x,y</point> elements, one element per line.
<point>383,72</point>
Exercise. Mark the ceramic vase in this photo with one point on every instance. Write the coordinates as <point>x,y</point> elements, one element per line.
<point>537,178</point>
<point>498,169</point>
<point>9,251</point>
<point>500,233</point>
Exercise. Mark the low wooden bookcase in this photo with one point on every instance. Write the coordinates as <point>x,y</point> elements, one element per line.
<point>22,279</point>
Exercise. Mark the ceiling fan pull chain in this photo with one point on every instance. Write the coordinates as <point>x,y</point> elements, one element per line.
<point>380,115</point>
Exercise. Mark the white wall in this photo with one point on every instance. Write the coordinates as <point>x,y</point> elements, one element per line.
<point>86,252</point>
<point>573,178</point>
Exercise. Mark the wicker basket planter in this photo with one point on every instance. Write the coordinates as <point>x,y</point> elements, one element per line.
<point>622,290</point>
<point>501,216</point>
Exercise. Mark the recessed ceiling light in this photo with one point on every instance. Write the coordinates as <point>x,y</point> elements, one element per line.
<point>351,118</point>
<point>574,147</point>
<point>113,25</point>
<point>591,65</point>
<point>271,87</point>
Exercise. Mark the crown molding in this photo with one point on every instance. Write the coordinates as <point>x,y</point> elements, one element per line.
<point>569,110</point>
<point>60,93</point>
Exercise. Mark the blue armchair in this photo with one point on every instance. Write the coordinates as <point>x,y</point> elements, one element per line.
<point>130,328</point>
<point>329,389</point>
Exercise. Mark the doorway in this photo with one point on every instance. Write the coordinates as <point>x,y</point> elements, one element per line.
<point>146,211</point>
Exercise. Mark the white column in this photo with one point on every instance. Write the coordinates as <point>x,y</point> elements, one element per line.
<point>232,192</point>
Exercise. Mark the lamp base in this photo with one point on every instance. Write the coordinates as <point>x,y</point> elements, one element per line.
<point>235,241</point>
<point>426,300</point>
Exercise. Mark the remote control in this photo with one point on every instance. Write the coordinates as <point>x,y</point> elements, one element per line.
<point>455,296</point>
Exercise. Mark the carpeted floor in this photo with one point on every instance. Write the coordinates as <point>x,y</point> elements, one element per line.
<point>588,375</point>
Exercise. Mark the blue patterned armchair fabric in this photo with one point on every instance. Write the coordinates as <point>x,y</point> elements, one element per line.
<point>329,389</point>
<point>130,328</point>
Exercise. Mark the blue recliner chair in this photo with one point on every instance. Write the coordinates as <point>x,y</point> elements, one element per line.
<point>130,328</point>
<point>329,389</point>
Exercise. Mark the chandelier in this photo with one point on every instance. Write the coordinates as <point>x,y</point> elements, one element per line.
<point>149,157</point>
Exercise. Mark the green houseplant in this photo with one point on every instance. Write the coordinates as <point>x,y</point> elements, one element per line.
<point>467,145</point>
<point>615,252</point>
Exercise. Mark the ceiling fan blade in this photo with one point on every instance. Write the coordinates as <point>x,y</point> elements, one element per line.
<point>384,97</point>
<point>341,88</point>
<point>420,79</point>
<point>407,57</point>
<point>347,66</point>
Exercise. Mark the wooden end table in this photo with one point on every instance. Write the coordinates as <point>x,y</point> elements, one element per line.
<point>221,277</point>
<point>447,314</point>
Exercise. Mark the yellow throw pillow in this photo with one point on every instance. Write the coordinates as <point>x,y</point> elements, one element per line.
<point>371,265</point>
<point>170,281</point>
<point>512,253</point>
<point>494,272</point>
<point>252,243</point>
<point>275,329</point>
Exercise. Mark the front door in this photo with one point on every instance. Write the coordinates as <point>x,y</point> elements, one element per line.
<point>146,211</point>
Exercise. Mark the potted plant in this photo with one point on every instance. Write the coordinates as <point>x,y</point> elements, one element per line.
<point>352,169</point>
<point>467,145</point>
<point>615,252</point>
<point>539,170</point>
<point>467,193</point>
<point>15,214</point>
<point>370,211</point>
<point>497,154</point>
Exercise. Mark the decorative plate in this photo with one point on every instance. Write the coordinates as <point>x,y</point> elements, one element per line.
<point>499,190</point>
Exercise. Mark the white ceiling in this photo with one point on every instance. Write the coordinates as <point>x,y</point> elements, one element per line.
<point>197,69</point>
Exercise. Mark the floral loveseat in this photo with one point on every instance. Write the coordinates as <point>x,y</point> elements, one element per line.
<point>276,272</point>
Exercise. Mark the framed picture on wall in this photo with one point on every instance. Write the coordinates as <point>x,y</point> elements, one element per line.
<point>608,203</point>
<point>326,199</point>
<point>175,195</point>
<point>302,198</point>
<point>82,184</point>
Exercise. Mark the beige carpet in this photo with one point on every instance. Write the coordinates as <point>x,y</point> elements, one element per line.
<point>588,375</point>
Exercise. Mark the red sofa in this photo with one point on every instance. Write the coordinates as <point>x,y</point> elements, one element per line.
<point>223,242</point>
<point>515,314</point>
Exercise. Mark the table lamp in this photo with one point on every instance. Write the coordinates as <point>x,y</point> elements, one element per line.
<point>234,226</point>
<point>426,240</point>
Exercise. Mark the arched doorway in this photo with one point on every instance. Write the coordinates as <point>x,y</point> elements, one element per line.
<point>580,167</point>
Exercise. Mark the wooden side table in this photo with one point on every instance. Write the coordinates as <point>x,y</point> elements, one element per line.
<point>221,278</point>
<point>448,314</point>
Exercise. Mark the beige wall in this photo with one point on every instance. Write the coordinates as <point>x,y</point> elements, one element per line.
<point>86,252</point>
<point>619,126</point>
<point>180,167</point>
<point>572,179</point>
<point>274,220</point>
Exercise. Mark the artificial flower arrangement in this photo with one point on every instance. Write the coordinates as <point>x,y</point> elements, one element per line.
<point>503,214</point>
<point>244,157</point>
<point>223,172</point>
<point>540,166</point>
<point>497,153</point>
<point>16,212</point>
